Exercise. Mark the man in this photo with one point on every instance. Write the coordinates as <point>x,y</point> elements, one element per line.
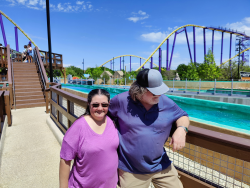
<point>144,116</point>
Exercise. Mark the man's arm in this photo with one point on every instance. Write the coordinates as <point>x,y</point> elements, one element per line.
<point>178,139</point>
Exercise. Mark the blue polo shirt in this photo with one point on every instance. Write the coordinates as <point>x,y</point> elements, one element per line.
<point>143,133</point>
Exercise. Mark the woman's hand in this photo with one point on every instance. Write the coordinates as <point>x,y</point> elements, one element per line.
<point>64,173</point>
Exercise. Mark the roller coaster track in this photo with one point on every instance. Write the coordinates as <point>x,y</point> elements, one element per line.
<point>18,27</point>
<point>190,25</point>
<point>235,56</point>
<point>125,56</point>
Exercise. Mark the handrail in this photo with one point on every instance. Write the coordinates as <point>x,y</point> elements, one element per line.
<point>1,108</point>
<point>40,71</point>
<point>41,68</point>
<point>9,65</point>
<point>13,85</point>
<point>10,74</point>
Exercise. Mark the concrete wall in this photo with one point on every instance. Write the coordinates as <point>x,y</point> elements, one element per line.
<point>207,85</point>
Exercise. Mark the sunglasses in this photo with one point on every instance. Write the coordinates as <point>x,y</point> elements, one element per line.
<point>96,105</point>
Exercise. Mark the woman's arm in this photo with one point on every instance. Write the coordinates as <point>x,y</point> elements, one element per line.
<point>64,173</point>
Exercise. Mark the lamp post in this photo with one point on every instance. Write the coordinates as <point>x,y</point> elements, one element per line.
<point>49,40</point>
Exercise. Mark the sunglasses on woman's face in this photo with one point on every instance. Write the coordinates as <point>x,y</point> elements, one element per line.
<point>96,105</point>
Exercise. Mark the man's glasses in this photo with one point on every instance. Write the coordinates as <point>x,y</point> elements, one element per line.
<point>96,105</point>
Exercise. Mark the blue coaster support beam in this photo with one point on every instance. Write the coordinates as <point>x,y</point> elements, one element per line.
<point>204,41</point>
<point>230,49</point>
<point>167,54</point>
<point>194,45</point>
<point>130,63</point>
<point>16,39</point>
<point>3,32</point>
<point>151,64</point>
<point>172,50</point>
<point>120,63</point>
<point>188,45</point>
<point>222,34</point>
<point>212,41</point>
<point>159,59</point>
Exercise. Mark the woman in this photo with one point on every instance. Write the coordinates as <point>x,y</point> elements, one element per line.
<point>92,143</point>
<point>29,53</point>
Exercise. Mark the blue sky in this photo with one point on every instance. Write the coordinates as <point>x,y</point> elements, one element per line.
<point>102,29</point>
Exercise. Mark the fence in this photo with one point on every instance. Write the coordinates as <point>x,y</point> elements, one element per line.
<point>209,159</point>
<point>5,107</point>
<point>210,87</point>
<point>57,60</point>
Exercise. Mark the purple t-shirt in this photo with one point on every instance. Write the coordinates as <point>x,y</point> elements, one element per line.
<point>95,156</point>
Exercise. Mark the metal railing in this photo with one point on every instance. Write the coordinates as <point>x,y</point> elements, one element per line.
<point>210,158</point>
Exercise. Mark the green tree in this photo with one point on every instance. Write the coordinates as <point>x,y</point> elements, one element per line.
<point>209,71</point>
<point>96,73</point>
<point>188,71</point>
<point>231,72</point>
<point>209,58</point>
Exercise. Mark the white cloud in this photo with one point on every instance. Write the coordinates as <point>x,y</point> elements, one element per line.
<point>141,12</point>
<point>33,2</point>
<point>242,26</point>
<point>61,7</point>
<point>79,2</point>
<point>12,2</point>
<point>181,38</point>
<point>138,16</point>
<point>154,37</point>
<point>21,1</point>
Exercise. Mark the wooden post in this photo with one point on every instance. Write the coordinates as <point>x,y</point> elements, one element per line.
<point>47,101</point>
<point>57,100</point>
<point>7,106</point>
<point>68,111</point>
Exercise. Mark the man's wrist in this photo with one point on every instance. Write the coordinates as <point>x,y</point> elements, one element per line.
<point>184,128</point>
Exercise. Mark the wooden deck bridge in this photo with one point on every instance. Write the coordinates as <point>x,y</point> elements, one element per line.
<point>31,135</point>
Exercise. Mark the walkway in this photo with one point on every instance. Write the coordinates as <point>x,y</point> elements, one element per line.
<point>31,151</point>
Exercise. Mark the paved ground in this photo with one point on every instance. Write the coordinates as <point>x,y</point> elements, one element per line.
<point>31,152</point>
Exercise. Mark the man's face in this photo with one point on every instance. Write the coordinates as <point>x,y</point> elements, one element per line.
<point>149,98</point>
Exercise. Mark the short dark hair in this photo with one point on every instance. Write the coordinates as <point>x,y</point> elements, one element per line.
<point>94,92</point>
<point>25,46</point>
<point>29,44</point>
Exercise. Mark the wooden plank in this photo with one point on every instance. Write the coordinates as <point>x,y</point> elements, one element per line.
<point>219,142</point>
<point>58,123</point>
<point>191,182</point>
<point>7,106</point>
<point>60,109</point>
<point>69,96</point>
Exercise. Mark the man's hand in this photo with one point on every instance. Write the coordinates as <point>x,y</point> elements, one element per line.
<point>178,139</point>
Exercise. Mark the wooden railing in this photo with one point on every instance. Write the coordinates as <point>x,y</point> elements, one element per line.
<point>9,75</point>
<point>3,57</point>
<point>41,70</point>
<point>209,159</point>
<point>57,60</point>
<point>5,107</point>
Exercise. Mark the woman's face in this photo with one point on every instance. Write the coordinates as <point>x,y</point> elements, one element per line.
<point>99,107</point>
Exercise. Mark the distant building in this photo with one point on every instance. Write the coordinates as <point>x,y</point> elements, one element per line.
<point>108,73</point>
<point>118,74</point>
<point>69,77</point>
